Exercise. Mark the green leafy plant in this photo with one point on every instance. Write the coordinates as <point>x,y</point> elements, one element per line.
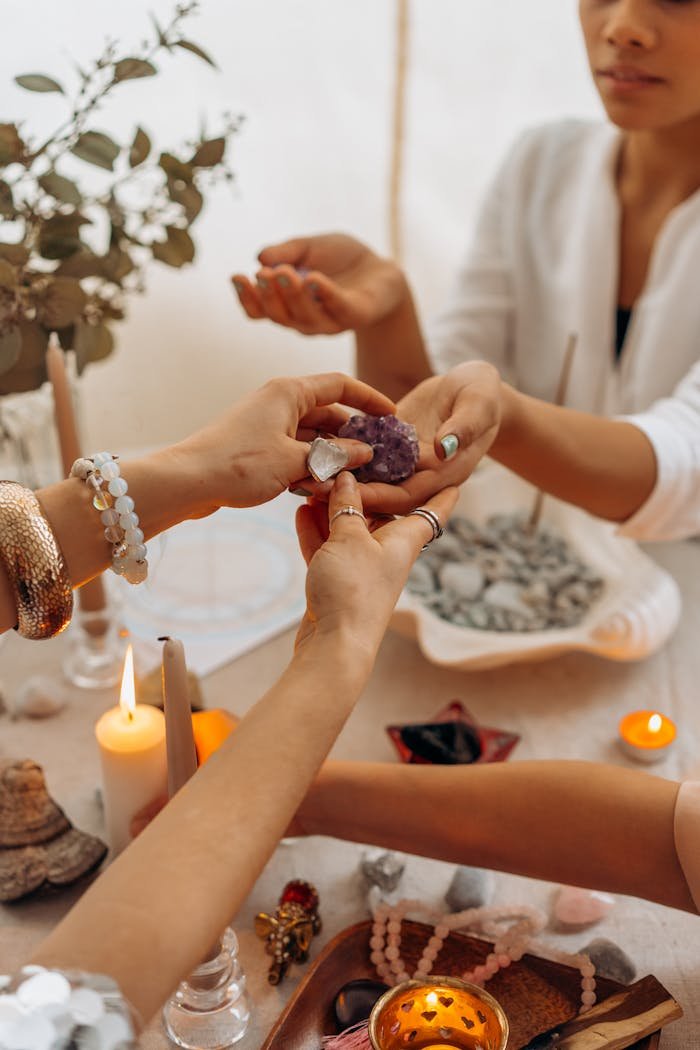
<point>70,254</point>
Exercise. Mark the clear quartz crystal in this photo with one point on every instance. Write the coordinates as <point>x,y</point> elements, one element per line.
<point>209,1011</point>
<point>325,459</point>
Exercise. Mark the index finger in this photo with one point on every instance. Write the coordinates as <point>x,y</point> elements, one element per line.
<point>331,387</point>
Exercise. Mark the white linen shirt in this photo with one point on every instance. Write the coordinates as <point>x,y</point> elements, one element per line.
<point>544,264</point>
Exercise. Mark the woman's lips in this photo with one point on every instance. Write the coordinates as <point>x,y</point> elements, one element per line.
<point>625,79</point>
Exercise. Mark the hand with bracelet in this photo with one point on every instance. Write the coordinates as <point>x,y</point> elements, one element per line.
<point>248,456</point>
<point>151,894</point>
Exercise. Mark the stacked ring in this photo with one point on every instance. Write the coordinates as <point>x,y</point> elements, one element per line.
<point>347,510</point>
<point>431,517</point>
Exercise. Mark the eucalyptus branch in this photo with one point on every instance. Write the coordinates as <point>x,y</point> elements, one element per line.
<point>56,278</point>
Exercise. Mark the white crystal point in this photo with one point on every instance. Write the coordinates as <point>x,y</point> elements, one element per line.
<point>325,459</point>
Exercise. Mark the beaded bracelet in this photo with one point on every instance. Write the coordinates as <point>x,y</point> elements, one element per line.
<point>117,513</point>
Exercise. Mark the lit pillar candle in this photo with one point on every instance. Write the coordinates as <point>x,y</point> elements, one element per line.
<point>646,736</point>
<point>182,755</point>
<point>131,739</point>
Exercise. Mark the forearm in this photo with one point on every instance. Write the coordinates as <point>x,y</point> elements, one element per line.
<point>216,835</point>
<point>166,488</point>
<point>578,823</point>
<point>605,466</point>
<point>391,354</point>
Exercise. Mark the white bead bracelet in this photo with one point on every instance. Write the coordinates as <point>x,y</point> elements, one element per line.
<point>117,513</point>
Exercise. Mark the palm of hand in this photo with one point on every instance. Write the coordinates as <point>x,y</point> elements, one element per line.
<point>371,287</point>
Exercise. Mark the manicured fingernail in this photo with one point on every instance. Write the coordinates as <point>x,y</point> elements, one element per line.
<point>450,444</point>
<point>300,492</point>
<point>346,481</point>
<point>262,282</point>
<point>282,280</point>
<point>238,285</point>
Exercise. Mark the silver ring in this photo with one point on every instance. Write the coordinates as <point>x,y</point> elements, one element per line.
<point>347,510</point>
<point>325,459</point>
<point>431,517</point>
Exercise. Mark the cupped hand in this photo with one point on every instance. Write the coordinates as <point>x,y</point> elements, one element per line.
<point>457,417</point>
<point>356,572</point>
<point>259,447</point>
<point>322,285</point>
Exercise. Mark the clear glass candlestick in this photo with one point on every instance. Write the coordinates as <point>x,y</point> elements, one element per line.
<point>97,643</point>
<point>209,1011</point>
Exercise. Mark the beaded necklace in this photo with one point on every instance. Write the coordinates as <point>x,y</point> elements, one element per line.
<point>510,944</point>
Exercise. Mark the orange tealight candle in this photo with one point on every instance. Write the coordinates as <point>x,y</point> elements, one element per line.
<point>211,728</point>
<point>437,1013</point>
<point>646,736</point>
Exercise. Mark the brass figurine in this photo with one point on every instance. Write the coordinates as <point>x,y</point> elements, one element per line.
<point>288,932</point>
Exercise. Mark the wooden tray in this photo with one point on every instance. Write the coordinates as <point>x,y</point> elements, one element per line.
<point>535,993</point>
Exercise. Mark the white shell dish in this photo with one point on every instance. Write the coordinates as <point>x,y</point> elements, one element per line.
<point>635,615</point>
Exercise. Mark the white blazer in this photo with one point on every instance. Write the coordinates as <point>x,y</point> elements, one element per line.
<point>544,264</point>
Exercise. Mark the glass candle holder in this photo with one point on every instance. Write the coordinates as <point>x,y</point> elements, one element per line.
<point>97,643</point>
<point>440,1013</point>
<point>209,1011</point>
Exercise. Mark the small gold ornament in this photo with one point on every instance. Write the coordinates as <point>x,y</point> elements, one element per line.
<point>288,932</point>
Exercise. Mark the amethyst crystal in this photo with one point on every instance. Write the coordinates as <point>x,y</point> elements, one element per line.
<point>395,445</point>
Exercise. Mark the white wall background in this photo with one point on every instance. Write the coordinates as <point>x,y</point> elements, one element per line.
<point>314,79</point>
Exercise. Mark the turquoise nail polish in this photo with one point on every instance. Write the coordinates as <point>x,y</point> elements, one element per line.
<point>282,280</point>
<point>262,282</point>
<point>450,444</point>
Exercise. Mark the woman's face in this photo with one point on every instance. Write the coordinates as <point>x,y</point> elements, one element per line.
<point>645,60</point>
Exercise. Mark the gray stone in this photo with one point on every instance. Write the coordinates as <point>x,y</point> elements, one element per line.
<point>383,871</point>
<point>470,888</point>
<point>463,580</point>
<point>610,960</point>
<point>506,595</point>
<point>421,579</point>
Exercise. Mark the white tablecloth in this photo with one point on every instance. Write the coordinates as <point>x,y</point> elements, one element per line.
<point>567,707</point>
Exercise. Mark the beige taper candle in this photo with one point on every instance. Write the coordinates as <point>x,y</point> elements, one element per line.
<point>179,736</point>
<point>92,594</point>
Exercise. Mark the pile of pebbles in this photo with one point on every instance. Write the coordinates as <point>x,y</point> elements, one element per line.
<point>499,577</point>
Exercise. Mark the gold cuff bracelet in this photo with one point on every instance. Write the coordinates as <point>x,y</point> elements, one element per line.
<point>35,566</point>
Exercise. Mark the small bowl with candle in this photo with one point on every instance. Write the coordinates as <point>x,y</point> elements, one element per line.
<point>439,1013</point>
<point>646,736</point>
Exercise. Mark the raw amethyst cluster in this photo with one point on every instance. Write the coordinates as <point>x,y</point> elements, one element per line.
<point>395,445</point>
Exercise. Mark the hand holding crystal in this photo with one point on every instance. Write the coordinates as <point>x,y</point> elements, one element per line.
<point>457,417</point>
<point>260,447</point>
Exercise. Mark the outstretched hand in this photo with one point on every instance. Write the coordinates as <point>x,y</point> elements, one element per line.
<point>321,285</point>
<point>357,570</point>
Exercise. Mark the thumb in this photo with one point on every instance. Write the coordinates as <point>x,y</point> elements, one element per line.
<point>291,252</point>
<point>474,418</point>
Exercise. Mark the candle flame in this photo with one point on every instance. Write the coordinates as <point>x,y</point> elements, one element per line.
<point>654,723</point>
<point>127,696</point>
<point>431,998</point>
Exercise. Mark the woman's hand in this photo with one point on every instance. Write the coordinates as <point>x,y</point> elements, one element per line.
<point>357,569</point>
<point>322,285</point>
<point>457,417</point>
<point>259,447</point>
